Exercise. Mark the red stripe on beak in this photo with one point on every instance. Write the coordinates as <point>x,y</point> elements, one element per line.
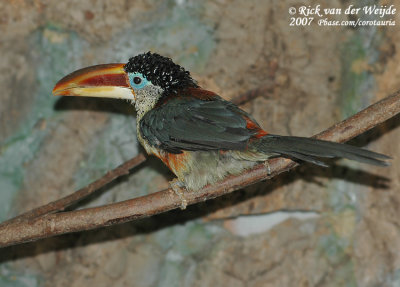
<point>105,81</point>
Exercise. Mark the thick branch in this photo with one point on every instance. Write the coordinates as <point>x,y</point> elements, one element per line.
<point>65,222</point>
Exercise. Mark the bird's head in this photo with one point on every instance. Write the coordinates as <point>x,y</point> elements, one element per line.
<point>144,80</point>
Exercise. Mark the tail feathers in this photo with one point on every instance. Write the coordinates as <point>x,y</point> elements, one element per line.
<point>309,149</point>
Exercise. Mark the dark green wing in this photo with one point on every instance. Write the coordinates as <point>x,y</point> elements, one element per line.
<point>189,123</point>
<point>211,123</point>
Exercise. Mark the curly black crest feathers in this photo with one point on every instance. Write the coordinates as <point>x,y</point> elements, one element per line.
<point>161,71</point>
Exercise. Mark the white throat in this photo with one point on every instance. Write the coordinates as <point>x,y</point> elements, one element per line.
<point>146,99</point>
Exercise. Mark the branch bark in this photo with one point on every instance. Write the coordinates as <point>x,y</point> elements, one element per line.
<point>62,203</point>
<point>30,229</point>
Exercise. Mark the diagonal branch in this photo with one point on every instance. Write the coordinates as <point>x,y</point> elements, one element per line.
<point>123,169</point>
<point>65,222</point>
<point>62,203</point>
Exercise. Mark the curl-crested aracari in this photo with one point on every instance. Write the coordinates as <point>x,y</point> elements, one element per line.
<point>201,137</point>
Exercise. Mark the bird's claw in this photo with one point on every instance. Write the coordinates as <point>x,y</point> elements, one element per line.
<point>266,164</point>
<point>179,188</point>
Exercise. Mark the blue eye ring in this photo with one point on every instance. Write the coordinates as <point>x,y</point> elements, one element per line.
<point>137,80</point>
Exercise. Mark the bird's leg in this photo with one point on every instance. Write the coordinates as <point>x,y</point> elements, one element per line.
<point>179,188</point>
<point>266,164</point>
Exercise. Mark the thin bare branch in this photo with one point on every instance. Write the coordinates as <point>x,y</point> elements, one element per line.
<point>62,203</point>
<point>65,222</point>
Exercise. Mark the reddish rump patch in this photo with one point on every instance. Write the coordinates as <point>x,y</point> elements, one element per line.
<point>253,126</point>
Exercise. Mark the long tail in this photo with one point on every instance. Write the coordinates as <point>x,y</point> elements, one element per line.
<point>309,149</point>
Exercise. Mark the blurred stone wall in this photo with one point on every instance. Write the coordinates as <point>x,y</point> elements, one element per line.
<point>337,226</point>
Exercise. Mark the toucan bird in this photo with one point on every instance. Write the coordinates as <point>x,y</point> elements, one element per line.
<point>201,137</point>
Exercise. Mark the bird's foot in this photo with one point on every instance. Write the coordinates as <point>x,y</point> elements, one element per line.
<point>266,164</point>
<point>179,188</point>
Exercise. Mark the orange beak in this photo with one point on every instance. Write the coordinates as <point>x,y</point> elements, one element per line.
<point>104,81</point>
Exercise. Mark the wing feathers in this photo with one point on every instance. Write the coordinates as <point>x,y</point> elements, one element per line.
<point>193,123</point>
<point>190,123</point>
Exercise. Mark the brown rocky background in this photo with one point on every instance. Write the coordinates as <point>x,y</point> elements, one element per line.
<point>337,226</point>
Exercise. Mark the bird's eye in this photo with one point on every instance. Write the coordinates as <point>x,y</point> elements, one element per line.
<point>137,80</point>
